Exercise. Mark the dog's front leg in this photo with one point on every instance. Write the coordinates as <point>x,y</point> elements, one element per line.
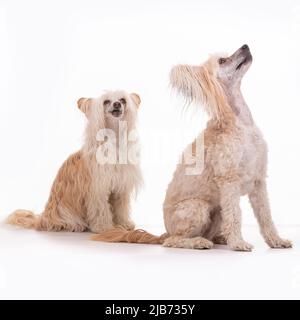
<point>260,204</point>
<point>99,215</point>
<point>231,217</point>
<point>120,203</point>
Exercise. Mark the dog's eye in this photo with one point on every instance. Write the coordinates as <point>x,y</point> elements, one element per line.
<point>222,60</point>
<point>106,102</point>
<point>123,101</point>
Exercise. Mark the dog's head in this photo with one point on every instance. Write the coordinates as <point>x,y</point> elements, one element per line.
<point>112,107</point>
<point>208,82</point>
<point>231,69</point>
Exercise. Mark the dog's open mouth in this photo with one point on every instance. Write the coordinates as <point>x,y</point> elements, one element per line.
<point>245,60</point>
<point>116,112</point>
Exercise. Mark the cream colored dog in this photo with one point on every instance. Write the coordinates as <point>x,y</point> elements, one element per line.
<point>203,209</point>
<point>86,194</point>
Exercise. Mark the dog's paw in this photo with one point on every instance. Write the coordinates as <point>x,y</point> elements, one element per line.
<point>100,229</point>
<point>201,243</point>
<point>187,243</point>
<point>279,243</point>
<point>240,245</point>
<point>128,225</point>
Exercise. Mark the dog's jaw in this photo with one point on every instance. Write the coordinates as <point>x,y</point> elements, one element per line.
<point>246,60</point>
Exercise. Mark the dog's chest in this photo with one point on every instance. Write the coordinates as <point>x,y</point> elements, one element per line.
<point>116,178</point>
<point>254,157</point>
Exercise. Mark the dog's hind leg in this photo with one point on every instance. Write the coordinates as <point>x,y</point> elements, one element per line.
<point>60,219</point>
<point>186,223</point>
<point>260,204</point>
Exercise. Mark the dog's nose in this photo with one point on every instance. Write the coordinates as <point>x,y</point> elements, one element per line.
<point>245,47</point>
<point>117,105</point>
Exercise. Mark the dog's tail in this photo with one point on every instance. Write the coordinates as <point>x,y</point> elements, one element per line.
<point>134,236</point>
<point>23,218</point>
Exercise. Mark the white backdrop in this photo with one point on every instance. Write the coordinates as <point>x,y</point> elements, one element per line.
<point>54,52</point>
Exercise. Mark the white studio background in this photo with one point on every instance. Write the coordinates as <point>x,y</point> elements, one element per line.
<point>54,52</point>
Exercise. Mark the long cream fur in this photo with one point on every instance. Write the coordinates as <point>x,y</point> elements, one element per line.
<point>134,236</point>
<point>85,194</point>
<point>200,84</point>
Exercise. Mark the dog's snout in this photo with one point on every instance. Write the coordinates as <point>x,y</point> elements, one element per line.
<point>117,105</point>
<point>245,47</point>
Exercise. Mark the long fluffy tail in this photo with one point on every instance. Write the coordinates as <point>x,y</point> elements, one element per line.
<point>135,236</point>
<point>23,218</point>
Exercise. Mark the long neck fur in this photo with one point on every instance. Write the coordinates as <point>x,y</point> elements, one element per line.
<point>91,144</point>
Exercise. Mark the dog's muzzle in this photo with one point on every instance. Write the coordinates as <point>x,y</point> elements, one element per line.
<point>117,109</point>
<point>247,57</point>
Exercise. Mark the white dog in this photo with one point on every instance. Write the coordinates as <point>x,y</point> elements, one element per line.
<point>203,209</point>
<point>86,194</point>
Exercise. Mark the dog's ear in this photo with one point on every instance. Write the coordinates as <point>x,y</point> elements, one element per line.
<point>84,104</point>
<point>136,99</point>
